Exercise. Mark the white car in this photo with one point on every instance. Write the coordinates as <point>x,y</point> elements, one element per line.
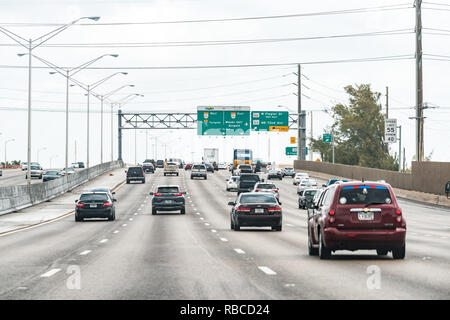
<point>35,172</point>
<point>222,166</point>
<point>75,165</point>
<point>232,183</point>
<point>267,187</point>
<point>306,184</point>
<point>69,171</point>
<point>299,177</point>
<point>171,168</point>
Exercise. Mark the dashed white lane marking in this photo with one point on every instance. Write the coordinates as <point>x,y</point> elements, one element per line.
<point>202,218</point>
<point>136,214</point>
<point>124,225</point>
<point>240,251</point>
<point>85,252</point>
<point>139,209</point>
<point>224,239</point>
<point>206,224</point>
<point>428,235</point>
<point>289,225</point>
<point>50,273</point>
<point>104,240</point>
<point>444,237</point>
<point>117,231</point>
<point>214,231</point>
<point>267,270</point>
<point>198,213</point>
<point>131,219</point>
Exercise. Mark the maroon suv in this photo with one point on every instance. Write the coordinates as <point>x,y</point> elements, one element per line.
<point>357,215</point>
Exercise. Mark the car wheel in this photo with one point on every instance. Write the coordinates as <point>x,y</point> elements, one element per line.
<point>231,223</point>
<point>277,228</point>
<point>143,181</point>
<point>311,250</point>
<point>177,174</point>
<point>192,178</point>
<point>382,252</point>
<point>324,252</point>
<point>183,211</point>
<point>128,181</point>
<point>111,217</point>
<point>153,211</point>
<point>237,227</point>
<point>399,253</point>
<point>77,218</point>
<point>206,177</point>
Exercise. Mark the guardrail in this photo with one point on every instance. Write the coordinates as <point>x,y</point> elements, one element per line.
<point>13,198</point>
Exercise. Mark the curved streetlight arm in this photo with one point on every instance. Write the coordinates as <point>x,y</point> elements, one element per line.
<point>14,37</point>
<point>74,71</point>
<point>51,34</point>
<point>106,96</point>
<point>96,84</point>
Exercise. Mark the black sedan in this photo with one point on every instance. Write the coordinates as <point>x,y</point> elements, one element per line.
<point>275,174</point>
<point>260,209</point>
<point>168,198</point>
<point>95,205</point>
<point>209,167</point>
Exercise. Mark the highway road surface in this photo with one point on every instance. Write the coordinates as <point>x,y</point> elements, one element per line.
<point>198,256</point>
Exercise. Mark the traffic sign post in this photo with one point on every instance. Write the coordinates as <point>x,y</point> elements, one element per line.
<point>390,130</point>
<point>270,121</point>
<point>291,151</point>
<point>223,121</point>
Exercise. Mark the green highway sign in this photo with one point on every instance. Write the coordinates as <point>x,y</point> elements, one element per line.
<point>326,137</point>
<point>223,121</point>
<point>291,151</point>
<point>266,120</point>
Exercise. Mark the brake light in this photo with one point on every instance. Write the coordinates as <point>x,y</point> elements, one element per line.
<point>399,212</point>
<point>243,209</point>
<point>331,213</point>
<point>257,190</point>
<point>275,190</point>
<point>274,209</point>
<point>157,194</point>
<point>80,205</point>
<point>107,204</point>
<point>178,194</point>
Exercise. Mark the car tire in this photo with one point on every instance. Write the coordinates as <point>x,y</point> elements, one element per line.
<point>192,178</point>
<point>324,252</point>
<point>183,211</point>
<point>399,253</point>
<point>382,252</point>
<point>311,250</point>
<point>77,218</point>
<point>279,228</point>
<point>111,217</point>
<point>177,174</point>
<point>153,211</point>
<point>128,181</point>
<point>231,223</point>
<point>143,181</point>
<point>206,177</point>
<point>237,227</point>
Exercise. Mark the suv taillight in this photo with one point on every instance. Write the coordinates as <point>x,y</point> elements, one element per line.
<point>178,194</point>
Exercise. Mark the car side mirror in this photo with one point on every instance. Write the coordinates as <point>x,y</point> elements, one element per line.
<point>125,171</point>
<point>114,200</point>
<point>113,193</point>
<point>262,180</point>
<point>324,185</point>
<point>231,203</point>
<point>151,193</point>
<point>279,203</point>
<point>76,201</point>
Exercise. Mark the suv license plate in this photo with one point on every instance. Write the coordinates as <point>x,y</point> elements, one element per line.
<point>365,216</point>
<point>93,206</point>
<point>259,210</point>
<point>167,201</point>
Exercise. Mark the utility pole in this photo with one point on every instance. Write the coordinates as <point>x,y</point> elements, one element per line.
<point>387,102</point>
<point>299,111</point>
<point>310,141</point>
<point>419,83</point>
<point>75,150</point>
<point>399,148</point>
<point>404,159</point>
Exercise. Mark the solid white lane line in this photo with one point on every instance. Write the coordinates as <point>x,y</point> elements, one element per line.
<point>240,251</point>
<point>104,240</point>
<point>50,273</point>
<point>85,252</point>
<point>267,270</point>
<point>224,239</point>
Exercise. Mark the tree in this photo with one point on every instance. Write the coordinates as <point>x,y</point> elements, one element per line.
<point>359,131</point>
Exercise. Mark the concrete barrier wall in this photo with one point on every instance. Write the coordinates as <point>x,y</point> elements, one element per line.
<point>429,177</point>
<point>13,198</point>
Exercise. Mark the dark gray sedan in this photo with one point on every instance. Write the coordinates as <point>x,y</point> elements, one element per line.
<point>50,175</point>
<point>168,198</point>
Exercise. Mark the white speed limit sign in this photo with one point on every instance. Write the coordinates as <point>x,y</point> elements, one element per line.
<point>390,130</point>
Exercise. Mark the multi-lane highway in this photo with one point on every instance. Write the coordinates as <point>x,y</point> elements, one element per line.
<point>198,256</point>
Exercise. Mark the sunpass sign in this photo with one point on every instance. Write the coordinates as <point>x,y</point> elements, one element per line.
<point>223,121</point>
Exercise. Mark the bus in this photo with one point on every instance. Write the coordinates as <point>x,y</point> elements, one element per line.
<point>242,156</point>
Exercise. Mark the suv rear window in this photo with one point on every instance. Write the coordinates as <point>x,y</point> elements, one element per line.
<point>245,167</point>
<point>249,177</point>
<point>94,197</point>
<point>365,195</point>
<point>266,186</point>
<point>168,190</point>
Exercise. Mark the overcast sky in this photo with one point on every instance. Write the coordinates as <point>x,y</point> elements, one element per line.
<point>183,90</point>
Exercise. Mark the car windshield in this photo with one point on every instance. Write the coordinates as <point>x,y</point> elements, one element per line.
<point>266,186</point>
<point>35,168</point>
<point>257,198</point>
<point>51,173</point>
<point>94,197</point>
<point>365,195</point>
<point>168,190</point>
<point>309,193</point>
<point>199,166</point>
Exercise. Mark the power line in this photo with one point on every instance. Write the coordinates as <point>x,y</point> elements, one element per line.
<point>371,59</point>
<point>217,42</point>
<point>296,15</point>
